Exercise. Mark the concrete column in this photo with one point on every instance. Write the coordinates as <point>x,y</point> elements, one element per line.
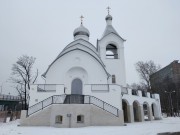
<point>150,117</point>
<point>129,91</point>
<point>140,93</point>
<point>141,113</point>
<point>121,116</point>
<point>23,116</point>
<point>148,95</point>
<point>130,113</point>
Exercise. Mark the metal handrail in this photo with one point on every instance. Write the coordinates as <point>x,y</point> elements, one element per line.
<point>103,105</point>
<point>60,99</point>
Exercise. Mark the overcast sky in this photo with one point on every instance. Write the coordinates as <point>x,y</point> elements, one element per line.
<point>42,28</point>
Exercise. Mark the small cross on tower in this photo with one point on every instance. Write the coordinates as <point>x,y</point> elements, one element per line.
<point>108,8</point>
<point>81,19</point>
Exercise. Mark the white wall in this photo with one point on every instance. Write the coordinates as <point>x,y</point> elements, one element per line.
<point>141,100</point>
<point>34,94</point>
<point>76,64</point>
<point>114,66</point>
<point>112,97</point>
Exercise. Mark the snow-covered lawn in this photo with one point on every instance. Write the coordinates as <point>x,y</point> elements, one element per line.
<point>141,128</point>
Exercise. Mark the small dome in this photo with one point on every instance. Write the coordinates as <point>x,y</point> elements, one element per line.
<point>81,30</point>
<point>108,17</point>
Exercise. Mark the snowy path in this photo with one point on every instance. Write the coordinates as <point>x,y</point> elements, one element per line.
<point>145,128</point>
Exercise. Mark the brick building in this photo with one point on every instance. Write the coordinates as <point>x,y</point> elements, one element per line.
<point>166,82</point>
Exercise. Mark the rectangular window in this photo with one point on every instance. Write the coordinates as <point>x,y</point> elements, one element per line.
<point>113,79</point>
<point>59,119</point>
<point>80,119</point>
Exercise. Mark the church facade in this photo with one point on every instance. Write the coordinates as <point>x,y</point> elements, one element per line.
<point>86,86</point>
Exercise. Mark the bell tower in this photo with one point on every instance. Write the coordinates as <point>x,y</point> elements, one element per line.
<point>111,50</point>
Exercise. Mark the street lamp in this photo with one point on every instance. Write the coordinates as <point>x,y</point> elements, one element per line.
<point>171,100</point>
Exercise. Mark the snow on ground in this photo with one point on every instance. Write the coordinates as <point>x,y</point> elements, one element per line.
<point>141,128</point>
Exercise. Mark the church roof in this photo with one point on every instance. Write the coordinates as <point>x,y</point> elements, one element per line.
<point>110,29</point>
<point>81,45</point>
<point>84,42</point>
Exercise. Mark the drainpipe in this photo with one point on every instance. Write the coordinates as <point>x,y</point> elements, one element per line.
<point>69,115</point>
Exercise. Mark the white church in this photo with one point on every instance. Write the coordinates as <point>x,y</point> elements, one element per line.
<point>86,86</point>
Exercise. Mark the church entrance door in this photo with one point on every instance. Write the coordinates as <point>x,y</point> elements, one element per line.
<point>76,87</point>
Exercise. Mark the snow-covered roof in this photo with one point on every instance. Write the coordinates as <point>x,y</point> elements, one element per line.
<point>110,29</point>
<point>81,45</point>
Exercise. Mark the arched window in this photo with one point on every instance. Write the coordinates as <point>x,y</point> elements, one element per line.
<point>113,79</point>
<point>111,52</point>
<point>59,119</point>
<point>80,119</point>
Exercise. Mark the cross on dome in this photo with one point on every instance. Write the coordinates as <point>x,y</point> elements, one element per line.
<point>81,32</point>
<point>108,17</point>
<point>81,19</point>
<point>108,8</point>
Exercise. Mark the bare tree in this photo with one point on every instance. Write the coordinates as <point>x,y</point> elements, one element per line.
<point>141,86</point>
<point>145,69</point>
<point>22,75</point>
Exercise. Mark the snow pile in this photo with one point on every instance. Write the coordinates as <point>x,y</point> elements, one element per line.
<point>141,128</point>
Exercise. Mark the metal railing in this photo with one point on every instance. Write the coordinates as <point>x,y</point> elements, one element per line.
<point>101,104</point>
<point>10,98</point>
<point>70,99</point>
<point>56,99</point>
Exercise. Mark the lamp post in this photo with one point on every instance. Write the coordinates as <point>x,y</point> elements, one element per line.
<point>171,100</point>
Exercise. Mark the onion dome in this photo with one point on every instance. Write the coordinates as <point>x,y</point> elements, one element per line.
<point>81,33</point>
<point>81,30</point>
<point>108,17</point>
